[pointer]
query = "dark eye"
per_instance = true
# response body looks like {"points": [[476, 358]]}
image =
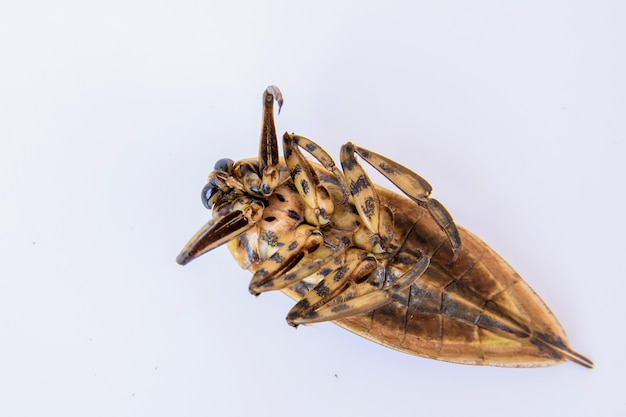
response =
{"points": [[224, 165], [208, 192]]}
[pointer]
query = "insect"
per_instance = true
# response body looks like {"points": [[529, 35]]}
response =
{"points": [[392, 268]]}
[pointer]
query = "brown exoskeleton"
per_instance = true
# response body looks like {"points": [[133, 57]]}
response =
{"points": [[393, 269]]}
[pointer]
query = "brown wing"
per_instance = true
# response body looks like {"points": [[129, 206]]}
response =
{"points": [[477, 310]]}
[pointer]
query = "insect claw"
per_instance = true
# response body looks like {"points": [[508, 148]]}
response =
{"points": [[221, 229], [455, 255], [213, 234], [275, 93], [252, 291]]}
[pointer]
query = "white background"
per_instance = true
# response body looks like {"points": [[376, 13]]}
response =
{"points": [[112, 113]]}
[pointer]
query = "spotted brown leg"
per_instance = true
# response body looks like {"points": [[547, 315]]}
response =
{"points": [[268, 146], [243, 214], [315, 195], [376, 216], [416, 188], [344, 291], [321, 155], [357, 285], [282, 268]]}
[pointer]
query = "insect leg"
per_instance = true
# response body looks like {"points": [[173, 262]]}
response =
{"points": [[278, 271], [268, 147], [416, 188], [356, 287], [376, 217], [322, 157], [315, 195], [238, 217], [409, 277], [364, 291]]}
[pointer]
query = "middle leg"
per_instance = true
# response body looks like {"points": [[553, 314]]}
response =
{"points": [[410, 183]]}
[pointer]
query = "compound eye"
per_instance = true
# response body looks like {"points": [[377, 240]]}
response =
{"points": [[224, 165], [208, 191]]}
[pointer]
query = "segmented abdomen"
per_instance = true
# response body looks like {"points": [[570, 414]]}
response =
{"points": [[477, 310]]}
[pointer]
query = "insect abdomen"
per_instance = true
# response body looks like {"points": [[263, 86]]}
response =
{"points": [[476, 310]]}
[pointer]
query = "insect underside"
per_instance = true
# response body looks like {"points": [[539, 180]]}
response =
{"points": [[392, 268]]}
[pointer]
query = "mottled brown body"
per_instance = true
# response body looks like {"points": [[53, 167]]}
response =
{"points": [[392, 269]]}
